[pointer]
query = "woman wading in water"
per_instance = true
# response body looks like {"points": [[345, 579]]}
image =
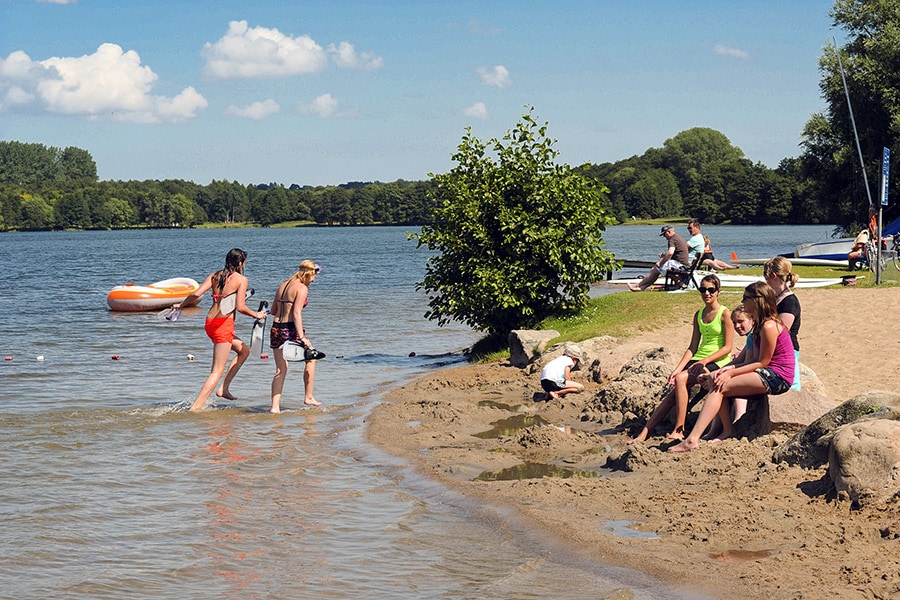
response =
{"points": [[287, 325], [229, 289]]}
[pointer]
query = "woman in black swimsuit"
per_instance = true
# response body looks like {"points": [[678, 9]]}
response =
{"points": [[287, 325]]}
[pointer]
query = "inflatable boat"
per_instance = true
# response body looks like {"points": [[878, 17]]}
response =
{"points": [[156, 296]]}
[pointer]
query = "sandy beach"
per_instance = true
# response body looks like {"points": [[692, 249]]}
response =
{"points": [[724, 520]]}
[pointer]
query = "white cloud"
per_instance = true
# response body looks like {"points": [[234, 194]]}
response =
{"points": [[260, 52], [477, 110], [497, 77], [256, 111], [733, 52], [324, 106], [107, 84], [344, 55]]}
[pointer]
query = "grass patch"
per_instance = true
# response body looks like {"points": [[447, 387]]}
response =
{"points": [[622, 315]]}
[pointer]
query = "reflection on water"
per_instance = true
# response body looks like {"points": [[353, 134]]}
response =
{"points": [[530, 470], [499, 405], [626, 529], [510, 425], [736, 555]]}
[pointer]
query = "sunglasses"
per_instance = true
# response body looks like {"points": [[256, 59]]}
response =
{"points": [[318, 268], [751, 297], [707, 290]]}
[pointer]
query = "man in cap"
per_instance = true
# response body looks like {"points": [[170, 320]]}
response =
{"points": [[555, 374], [675, 257]]}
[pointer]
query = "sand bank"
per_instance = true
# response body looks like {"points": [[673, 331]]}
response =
{"points": [[723, 519]]}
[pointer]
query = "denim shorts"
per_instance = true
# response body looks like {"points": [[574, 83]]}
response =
{"points": [[774, 383]]}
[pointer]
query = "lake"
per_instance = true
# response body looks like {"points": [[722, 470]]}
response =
{"points": [[110, 489]]}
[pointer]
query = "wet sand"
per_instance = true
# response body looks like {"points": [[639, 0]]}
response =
{"points": [[724, 520]]}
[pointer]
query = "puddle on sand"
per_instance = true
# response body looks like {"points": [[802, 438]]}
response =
{"points": [[533, 471], [500, 405], [510, 425], [736, 556], [624, 529]]}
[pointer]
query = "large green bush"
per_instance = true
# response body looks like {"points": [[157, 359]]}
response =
{"points": [[516, 236]]}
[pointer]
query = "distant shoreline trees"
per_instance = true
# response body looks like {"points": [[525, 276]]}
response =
{"points": [[44, 188], [697, 173]]}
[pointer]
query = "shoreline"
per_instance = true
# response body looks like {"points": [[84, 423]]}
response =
{"points": [[726, 520]]}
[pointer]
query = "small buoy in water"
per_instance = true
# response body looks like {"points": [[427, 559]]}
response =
{"points": [[115, 357], [8, 358], [263, 356], [411, 354], [40, 358], [190, 357]]}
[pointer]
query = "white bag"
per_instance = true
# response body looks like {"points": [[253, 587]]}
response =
{"points": [[293, 352]]}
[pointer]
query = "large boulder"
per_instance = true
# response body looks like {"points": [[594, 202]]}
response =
{"points": [[791, 410], [636, 391], [810, 382], [795, 409], [809, 448], [525, 345], [864, 461]]}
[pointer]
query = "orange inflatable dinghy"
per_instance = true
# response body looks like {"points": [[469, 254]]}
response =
{"points": [[156, 296]]}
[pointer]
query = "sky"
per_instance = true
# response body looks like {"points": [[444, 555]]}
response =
{"points": [[315, 92]]}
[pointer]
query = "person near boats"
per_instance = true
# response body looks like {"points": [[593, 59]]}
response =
{"points": [[771, 373], [675, 257], [856, 258], [555, 376], [229, 289], [287, 325], [709, 260], [695, 241], [711, 343], [778, 274]]}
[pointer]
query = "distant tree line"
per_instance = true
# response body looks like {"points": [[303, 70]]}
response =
{"points": [[697, 173], [48, 188]]}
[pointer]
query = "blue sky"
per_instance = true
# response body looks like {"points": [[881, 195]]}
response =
{"points": [[318, 93]]}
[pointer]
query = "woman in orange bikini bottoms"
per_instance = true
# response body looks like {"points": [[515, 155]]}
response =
{"points": [[229, 289], [287, 325]]}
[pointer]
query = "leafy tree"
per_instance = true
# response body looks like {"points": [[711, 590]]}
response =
{"points": [[692, 149], [654, 195], [36, 214], [114, 213], [76, 164], [517, 237], [72, 211], [272, 206], [870, 58]]}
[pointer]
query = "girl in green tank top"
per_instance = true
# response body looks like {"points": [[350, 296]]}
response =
{"points": [[712, 339]]}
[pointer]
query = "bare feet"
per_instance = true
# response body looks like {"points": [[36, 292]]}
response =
{"points": [[675, 435], [223, 394], [639, 437], [552, 395], [635, 287], [274, 410], [684, 446], [312, 402], [719, 439]]}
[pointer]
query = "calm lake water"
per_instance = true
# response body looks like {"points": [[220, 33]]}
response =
{"points": [[110, 489]]}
